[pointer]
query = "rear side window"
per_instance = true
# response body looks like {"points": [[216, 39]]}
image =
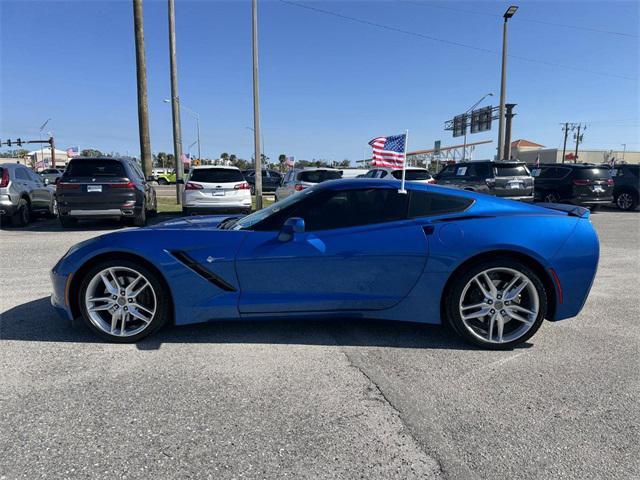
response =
{"points": [[216, 175], [95, 168], [412, 175], [318, 176], [22, 174], [424, 204], [592, 173], [511, 170]]}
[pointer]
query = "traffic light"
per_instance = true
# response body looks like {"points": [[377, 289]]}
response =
{"points": [[19, 142], [8, 142]]}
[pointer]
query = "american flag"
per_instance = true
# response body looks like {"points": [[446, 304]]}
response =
{"points": [[388, 151], [538, 161], [72, 151]]}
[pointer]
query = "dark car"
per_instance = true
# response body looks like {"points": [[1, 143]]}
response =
{"points": [[579, 184], [104, 188], [501, 179], [270, 180], [626, 183]]}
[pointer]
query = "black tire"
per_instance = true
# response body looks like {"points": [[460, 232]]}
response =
{"points": [[186, 212], [140, 219], [162, 181], [252, 189], [626, 201], [154, 209], [163, 305], [22, 217], [551, 197], [455, 290], [68, 222], [53, 209]]}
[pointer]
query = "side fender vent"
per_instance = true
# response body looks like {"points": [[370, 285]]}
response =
{"points": [[189, 262]]}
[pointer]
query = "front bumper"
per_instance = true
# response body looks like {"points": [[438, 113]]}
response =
{"points": [[60, 294]]}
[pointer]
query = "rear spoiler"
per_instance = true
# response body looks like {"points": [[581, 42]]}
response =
{"points": [[571, 210]]}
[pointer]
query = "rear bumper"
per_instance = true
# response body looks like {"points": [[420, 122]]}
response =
{"points": [[98, 212], [594, 201], [7, 208], [207, 209]]}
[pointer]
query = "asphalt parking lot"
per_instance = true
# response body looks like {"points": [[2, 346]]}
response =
{"points": [[317, 399]]}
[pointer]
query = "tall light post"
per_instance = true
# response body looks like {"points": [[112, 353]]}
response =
{"points": [[256, 108], [624, 150], [195, 115], [261, 139], [470, 109], [503, 82], [175, 103], [141, 84]]}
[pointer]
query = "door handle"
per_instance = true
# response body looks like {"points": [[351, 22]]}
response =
{"points": [[428, 229]]}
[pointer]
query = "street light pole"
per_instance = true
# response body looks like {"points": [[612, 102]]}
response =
{"points": [[175, 103], [141, 77], [256, 109], [503, 81], [195, 115]]}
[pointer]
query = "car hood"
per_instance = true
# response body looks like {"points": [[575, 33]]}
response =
{"points": [[186, 223]]}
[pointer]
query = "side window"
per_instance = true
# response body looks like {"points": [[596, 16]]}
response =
{"points": [[472, 171], [370, 174], [34, 176], [22, 174], [425, 204], [448, 171], [561, 172]]}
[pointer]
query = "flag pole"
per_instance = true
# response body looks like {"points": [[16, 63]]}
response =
{"points": [[404, 164]]}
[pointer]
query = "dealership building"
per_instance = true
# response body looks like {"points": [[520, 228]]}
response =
{"points": [[529, 152]]}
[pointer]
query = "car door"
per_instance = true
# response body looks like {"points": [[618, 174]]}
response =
{"points": [[358, 251], [41, 193]]}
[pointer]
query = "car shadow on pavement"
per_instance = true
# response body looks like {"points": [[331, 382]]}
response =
{"points": [[53, 224], [36, 321]]}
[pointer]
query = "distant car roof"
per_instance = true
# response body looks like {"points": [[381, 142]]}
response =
{"points": [[225, 167]]}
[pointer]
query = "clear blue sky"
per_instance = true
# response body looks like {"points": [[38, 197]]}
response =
{"points": [[328, 84]]}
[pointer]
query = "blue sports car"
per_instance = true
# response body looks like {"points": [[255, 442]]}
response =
{"points": [[492, 269]]}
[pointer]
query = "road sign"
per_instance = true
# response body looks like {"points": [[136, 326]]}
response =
{"points": [[481, 119], [459, 125]]}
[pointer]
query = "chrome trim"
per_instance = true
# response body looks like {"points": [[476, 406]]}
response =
{"points": [[91, 213]]}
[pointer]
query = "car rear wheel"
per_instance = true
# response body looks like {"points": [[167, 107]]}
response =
{"points": [[496, 304], [627, 201], [123, 301], [162, 181], [22, 217], [140, 218]]}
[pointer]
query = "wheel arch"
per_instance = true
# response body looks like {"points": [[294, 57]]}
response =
{"points": [[78, 275], [528, 260]]}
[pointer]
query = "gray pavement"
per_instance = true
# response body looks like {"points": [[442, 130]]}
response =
{"points": [[317, 399]]}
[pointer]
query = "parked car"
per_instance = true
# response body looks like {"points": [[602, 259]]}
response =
{"points": [[354, 172], [626, 185], [491, 268], [502, 179], [298, 179], [216, 189], [576, 183], [167, 177], [412, 174], [270, 180], [24, 194], [52, 174], [93, 188]]}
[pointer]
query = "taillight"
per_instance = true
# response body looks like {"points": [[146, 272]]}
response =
{"points": [[193, 186], [127, 185], [581, 182], [299, 187], [5, 178], [610, 181], [68, 186], [242, 186]]}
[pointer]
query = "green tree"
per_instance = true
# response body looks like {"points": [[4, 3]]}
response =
{"points": [[224, 156], [345, 163], [91, 152], [282, 158], [233, 159]]}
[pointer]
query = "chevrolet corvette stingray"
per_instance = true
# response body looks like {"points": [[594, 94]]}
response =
{"points": [[492, 269]]}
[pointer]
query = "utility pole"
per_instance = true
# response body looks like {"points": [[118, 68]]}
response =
{"points": [[141, 76], [624, 150], [175, 103], [53, 152], [578, 140], [566, 134], [503, 81], [507, 136], [256, 110]]}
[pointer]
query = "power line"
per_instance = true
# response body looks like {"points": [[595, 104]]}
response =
{"points": [[520, 19], [450, 42]]}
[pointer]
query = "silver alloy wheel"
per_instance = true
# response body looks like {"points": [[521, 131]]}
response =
{"points": [[624, 201], [499, 305], [120, 301]]}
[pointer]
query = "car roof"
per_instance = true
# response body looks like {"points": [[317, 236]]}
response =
{"points": [[573, 165], [311, 169], [221, 167]]}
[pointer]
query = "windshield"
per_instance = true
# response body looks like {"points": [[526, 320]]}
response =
{"points": [[511, 170], [95, 168], [317, 176], [412, 175], [592, 173], [216, 175], [256, 217]]}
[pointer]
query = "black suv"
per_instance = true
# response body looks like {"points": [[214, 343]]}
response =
{"points": [[104, 188], [502, 179], [626, 183], [579, 184], [270, 180]]}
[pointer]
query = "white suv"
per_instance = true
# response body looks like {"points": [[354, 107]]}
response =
{"points": [[212, 189]]}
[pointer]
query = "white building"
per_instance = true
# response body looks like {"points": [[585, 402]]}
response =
{"points": [[528, 152], [41, 158]]}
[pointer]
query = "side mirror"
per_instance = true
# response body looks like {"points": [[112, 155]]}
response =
{"points": [[290, 227], [45, 181]]}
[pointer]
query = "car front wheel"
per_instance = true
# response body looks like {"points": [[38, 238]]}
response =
{"points": [[22, 217], [496, 304], [123, 301]]}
